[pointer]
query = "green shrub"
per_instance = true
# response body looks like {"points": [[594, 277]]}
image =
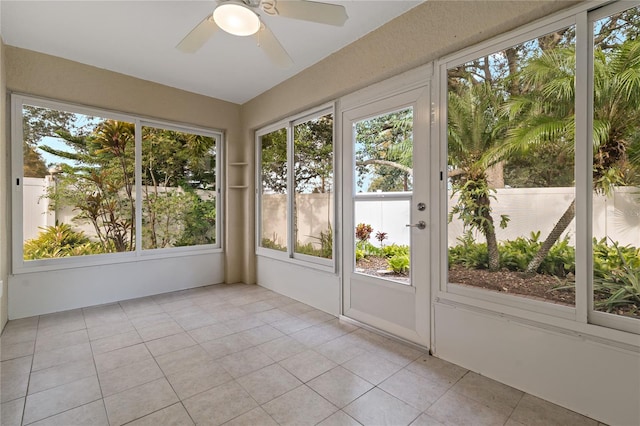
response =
{"points": [[271, 244], [616, 281], [618, 286], [469, 253], [608, 258], [560, 261], [394, 250], [516, 254], [399, 263], [369, 249], [326, 246], [60, 240], [326, 243]]}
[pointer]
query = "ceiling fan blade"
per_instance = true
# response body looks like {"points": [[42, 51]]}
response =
{"points": [[272, 47], [324, 13], [198, 36]]}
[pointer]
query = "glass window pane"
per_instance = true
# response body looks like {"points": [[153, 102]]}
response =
{"points": [[273, 198], [78, 193], [313, 177], [384, 153], [178, 189], [384, 164], [616, 164], [511, 170], [382, 243]]}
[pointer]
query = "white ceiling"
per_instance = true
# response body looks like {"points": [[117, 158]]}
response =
{"points": [[138, 38]]}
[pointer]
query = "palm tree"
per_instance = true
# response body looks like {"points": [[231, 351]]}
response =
{"points": [[545, 115], [473, 130]]}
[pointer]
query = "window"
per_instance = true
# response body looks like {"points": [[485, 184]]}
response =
{"points": [[383, 147], [616, 165], [543, 165], [296, 198], [179, 190], [313, 183], [511, 169], [82, 193], [273, 170]]}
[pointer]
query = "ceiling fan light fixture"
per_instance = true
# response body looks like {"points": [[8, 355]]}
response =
{"points": [[236, 19]]}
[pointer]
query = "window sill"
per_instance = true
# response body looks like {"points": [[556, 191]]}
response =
{"points": [[307, 261], [516, 301], [45, 265], [592, 332]]}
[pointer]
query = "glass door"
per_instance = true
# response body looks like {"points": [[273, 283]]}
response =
{"points": [[386, 230]]}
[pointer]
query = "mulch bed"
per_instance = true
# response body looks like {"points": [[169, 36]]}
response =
{"points": [[534, 286], [377, 267]]}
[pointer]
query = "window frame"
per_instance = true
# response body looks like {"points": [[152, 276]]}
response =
{"points": [[20, 266], [582, 319], [219, 148], [524, 35], [591, 315], [290, 255]]}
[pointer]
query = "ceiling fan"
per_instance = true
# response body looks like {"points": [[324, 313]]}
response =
{"points": [[239, 17]]}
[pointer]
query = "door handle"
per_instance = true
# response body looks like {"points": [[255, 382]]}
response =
{"points": [[420, 225]]}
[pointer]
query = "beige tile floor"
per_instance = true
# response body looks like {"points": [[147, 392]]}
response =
{"points": [[238, 355]]}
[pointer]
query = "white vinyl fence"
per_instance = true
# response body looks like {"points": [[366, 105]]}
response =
{"points": [[37, 214], [529, 209]]}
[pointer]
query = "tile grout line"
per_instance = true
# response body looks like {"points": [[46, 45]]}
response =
{"points": [[95, 368], [515, 407], [33, 356]]}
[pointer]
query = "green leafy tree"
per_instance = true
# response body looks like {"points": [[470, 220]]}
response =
{"points": [[100, 184], [33, 163], [545, 116], [38, 123], [313, 155], [312, 171], [384, 149], [473, 130], [274, 161], [175, 165]]}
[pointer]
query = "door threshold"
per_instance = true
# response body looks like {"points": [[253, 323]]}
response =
{"points": [[384, 334]]}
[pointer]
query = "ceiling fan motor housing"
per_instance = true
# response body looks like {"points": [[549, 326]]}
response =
{"points": [[268, 6]]}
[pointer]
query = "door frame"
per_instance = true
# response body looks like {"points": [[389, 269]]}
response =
{"points": [[412, 88]]}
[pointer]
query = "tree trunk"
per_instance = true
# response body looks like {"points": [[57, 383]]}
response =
{"points": [[407, 170], [553, 236], [495, 175], [489, 231], [492, 249]]}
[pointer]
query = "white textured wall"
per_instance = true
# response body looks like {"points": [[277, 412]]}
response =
{"points": [[585, 375]]}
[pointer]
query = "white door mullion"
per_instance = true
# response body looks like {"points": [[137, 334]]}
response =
{"points": [[583, 173], [291, 238], [138, 185]]}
